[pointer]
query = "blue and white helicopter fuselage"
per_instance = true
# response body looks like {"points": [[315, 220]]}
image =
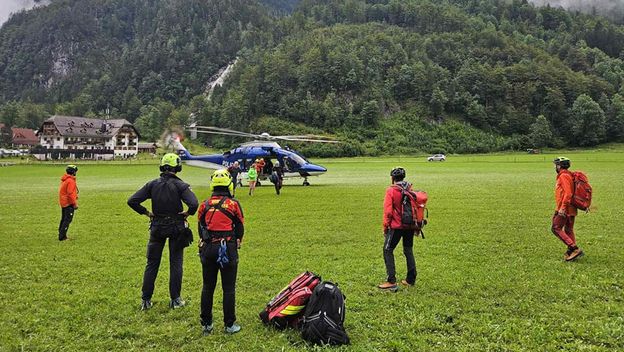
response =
{"points": [[294, 164]]}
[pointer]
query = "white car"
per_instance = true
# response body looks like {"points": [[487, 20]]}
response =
{"points": [[437, 157]]}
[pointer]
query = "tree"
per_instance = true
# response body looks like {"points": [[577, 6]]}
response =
{"points": [[438, 101], [370, 113], [615, 119], [9, 114], [541, 134], [587, 122]]}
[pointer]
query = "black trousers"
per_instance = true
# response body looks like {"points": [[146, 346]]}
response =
{"points": [[67, 215], [155, 246], [392, 240], [210, 269]]}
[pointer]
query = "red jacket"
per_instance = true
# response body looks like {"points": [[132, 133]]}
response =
{"points": [[217, 220], [564, 191], [68, 192], [393, 207]]}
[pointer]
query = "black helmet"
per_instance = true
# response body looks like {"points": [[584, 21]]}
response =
{"points": [[71, 169], [398, 173], [562, 161]]}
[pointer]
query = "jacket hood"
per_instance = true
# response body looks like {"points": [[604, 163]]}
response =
{"points": [[66, 176]]}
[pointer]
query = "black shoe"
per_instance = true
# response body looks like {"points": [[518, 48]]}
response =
{"points": [[146, 304]]}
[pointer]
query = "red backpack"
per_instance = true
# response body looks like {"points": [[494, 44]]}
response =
{"points": [[582, 191], [414, 207], [287, 307]]}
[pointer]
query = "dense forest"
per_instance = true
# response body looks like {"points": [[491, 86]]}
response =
{"points": [[385, 76]]}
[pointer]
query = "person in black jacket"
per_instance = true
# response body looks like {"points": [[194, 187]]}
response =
{"points": [[168, 220]]}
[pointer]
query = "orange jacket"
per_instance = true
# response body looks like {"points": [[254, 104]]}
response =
{"points": [[564, 190], [68, 192], [393, 206]]}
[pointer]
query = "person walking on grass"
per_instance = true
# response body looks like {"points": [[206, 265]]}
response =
{"points": [[277, 177], [168, 220], [221, 229], [234, 170], [394, 231], [68, 200], [565, 212], [252, 174]]}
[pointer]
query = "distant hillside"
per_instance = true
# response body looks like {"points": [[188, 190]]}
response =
{"points": [[116, 51]]}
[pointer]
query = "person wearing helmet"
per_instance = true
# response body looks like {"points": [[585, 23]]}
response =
{"points": [[168, 220], [277, 177], [234, 170], [565, 212], [68, 199], [394, 230], [221, 229], [252, 174]]}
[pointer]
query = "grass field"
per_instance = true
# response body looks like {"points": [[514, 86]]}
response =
{"points": [[490, 274]]}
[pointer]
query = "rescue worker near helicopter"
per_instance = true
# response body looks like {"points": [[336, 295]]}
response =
{"points": [[221, 229], [168, 220], [68, 200]]}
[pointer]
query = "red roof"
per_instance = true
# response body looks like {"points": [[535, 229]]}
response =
{"points": [[24, 136]]}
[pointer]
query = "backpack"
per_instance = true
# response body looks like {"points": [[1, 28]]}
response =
{"points": [[582, 191], [287, 307], [324, 316], [413, 209]]}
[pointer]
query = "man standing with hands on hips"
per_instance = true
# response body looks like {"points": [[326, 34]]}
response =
{"points": [[168, 220]]}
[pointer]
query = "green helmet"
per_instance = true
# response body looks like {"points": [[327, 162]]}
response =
{"points": [[171, 162], [221, 178], [71, 169], [562, 161]]}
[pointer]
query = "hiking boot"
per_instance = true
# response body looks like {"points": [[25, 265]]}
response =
{"points": [[232, 329], [207, 328], [577, 253], [388, 286], [177, 303], [146, 304], [405, 283]]}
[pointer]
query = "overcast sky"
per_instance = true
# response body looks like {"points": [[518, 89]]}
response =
{"points": [[603, 6], [10, 6]]}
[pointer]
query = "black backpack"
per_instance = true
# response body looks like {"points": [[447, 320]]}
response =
{"points": [[324, 316]]}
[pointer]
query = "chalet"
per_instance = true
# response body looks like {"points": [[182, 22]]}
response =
{"points": [[147, 148], [21, 138], [24, 138], [84, 138]]}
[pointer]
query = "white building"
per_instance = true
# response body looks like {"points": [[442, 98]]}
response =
{"points": [[83, 138]]}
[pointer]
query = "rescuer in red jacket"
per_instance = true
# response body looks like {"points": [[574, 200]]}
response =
{"points": [[394, 231], [565, 212], [221, 229], [68, 200]]}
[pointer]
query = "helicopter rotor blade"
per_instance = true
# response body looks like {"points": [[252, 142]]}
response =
{"points": [[306, 140], [228, 132]]}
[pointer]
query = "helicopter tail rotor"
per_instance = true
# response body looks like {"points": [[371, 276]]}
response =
{"points": [[172, 139]]}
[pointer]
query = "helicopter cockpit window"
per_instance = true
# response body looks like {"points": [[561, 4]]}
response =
{"points": [[296, 159]]}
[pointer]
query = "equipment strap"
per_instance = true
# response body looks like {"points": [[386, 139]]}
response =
{"points": [[217, 207]]}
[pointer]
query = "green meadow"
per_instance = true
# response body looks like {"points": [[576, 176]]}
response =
{"points": [[491, 276]]}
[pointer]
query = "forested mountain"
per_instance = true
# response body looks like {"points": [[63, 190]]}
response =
{"points": [[385, 75]]}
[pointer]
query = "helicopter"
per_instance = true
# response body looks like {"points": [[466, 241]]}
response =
{"points": [[264, 146]]}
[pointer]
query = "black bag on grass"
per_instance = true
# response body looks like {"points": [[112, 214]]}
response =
{"points": [[324, 316]]}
